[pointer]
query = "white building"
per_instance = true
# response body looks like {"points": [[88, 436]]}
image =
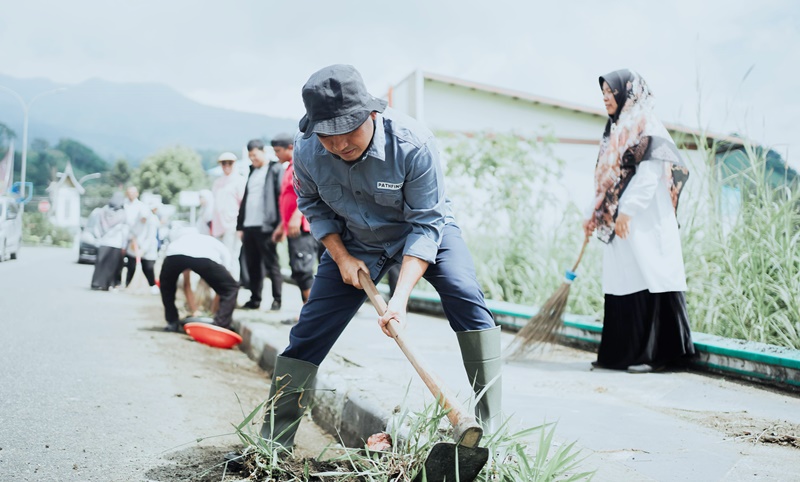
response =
{"points": [[65, 199], [454, 105]]}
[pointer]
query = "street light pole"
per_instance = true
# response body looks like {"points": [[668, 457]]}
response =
{"points": [[25, 108]]}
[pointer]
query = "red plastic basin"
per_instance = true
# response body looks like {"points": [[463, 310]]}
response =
{"points": [[212, 335]]}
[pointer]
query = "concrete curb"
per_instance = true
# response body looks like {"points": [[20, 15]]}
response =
{"points": [[752, 361]]}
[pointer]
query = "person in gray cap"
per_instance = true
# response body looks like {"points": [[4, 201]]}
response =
{"points": [[294, 226], [371, 185]]}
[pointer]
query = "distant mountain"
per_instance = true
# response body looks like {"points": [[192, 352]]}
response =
{"points": [[130, 120]]}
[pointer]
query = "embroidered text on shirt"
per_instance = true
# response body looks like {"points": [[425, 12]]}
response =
{"points": [[389, 185]]}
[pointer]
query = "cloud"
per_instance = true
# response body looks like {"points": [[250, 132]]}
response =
{"points": [[255, 56]]}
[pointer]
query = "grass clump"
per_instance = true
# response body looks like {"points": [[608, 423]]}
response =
{"points": [[526, 455]]}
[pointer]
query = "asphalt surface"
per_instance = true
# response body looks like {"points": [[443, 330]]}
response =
{"points": [[92, 390]]}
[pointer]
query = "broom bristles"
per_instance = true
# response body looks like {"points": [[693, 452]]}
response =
{"points": [[543, 327], [139, 284]]}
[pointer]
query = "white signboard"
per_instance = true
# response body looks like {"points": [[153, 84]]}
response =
{"points": [[189, 199]]}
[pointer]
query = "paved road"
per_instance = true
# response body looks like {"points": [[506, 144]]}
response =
{"points": [[91, 389]]}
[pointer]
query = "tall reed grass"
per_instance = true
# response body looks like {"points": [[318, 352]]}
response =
{"points": [[740, 233], [742, 253]]}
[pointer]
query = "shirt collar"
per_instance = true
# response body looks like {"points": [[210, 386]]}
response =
{"points": [[377, 148]]}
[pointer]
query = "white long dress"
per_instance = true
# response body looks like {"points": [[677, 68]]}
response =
{"points": [[651, 257]]}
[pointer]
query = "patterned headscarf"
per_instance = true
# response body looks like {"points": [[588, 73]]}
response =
{"points": [[632, 135]]}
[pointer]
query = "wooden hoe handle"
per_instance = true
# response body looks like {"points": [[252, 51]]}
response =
{"points": [[467, 431]]}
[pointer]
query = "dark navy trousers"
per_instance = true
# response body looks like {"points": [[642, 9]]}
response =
{"points": [[332, 303]]}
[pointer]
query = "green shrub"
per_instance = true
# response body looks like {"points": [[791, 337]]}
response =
{"points": [[511, 205], [38, 230]]}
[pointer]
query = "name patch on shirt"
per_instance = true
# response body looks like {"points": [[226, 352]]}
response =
{"points": [[389, 185]]}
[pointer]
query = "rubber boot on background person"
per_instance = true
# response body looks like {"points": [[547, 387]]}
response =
{"points": [[481, 353]]}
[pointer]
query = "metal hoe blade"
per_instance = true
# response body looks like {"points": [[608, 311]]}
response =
{"points": [[440, 466]]}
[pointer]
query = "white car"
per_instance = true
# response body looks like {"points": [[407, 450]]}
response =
{"points": [[10, 228]]}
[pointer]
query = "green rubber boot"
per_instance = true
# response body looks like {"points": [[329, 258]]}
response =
{"points": [[288, 399], [480, 350]]}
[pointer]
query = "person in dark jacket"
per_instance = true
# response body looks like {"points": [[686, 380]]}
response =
{"points": [[259, 217]]}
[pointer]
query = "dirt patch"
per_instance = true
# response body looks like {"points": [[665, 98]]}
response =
{"points": [[206, 464], [742, 427], [220, 376], [305, 469], [194, 464]]}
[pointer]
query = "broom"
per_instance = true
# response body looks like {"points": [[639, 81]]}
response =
{"points": [[543, 326]]}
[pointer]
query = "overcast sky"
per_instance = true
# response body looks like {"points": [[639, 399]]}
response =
{"points": [[255, 55]]}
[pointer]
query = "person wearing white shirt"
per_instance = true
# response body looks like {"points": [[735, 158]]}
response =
{"points": [[228, 192], [210, 259], [206, 212], [145, 244], [134, 211], [639, 177]]}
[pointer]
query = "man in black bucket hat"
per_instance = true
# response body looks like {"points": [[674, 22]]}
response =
{"points": [[370, 183], [337, 102]]}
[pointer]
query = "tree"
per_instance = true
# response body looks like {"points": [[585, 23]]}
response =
{"points": [[120, 173], [45, 161], [170, 171], [83, 158], [42, 165], [6, 134]]}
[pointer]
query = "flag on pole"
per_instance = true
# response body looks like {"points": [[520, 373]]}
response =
{"points": [[7, 169]]}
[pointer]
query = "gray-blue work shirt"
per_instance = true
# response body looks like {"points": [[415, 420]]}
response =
{"points": [[391, 202]]}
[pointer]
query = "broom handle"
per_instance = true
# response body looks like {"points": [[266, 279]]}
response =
{"points": [[580, 256]]}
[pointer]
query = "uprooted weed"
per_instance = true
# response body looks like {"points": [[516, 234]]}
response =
{"points": [[530, 454]]}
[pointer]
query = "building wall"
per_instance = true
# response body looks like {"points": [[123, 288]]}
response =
{"points": [[454, 108], [67, 207]]}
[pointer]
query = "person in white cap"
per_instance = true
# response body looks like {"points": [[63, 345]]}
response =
{"points": [[228, 192]]}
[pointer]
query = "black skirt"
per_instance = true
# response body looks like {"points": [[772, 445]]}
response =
{"points": [[106, 267], [645, 327]]}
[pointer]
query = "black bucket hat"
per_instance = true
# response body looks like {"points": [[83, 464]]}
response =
{"points": [[337, 102]]}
